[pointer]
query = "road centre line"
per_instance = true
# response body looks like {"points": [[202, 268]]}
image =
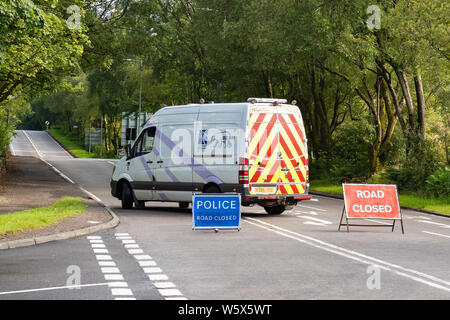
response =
{"points": [[437, 234], [353, 255]]}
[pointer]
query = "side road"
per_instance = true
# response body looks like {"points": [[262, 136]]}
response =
{"points": [[31, 183]]}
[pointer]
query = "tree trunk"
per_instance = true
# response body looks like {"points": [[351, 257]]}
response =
{"points": [[420, 106]]}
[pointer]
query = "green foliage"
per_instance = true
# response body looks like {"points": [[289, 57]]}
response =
{"points": [[37, 46], [438, 183], [415, 169]]}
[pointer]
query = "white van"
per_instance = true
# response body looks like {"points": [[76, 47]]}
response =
{"points": [[257, 148]]}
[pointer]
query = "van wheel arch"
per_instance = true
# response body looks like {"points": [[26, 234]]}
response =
{"points": [[211, 187]]}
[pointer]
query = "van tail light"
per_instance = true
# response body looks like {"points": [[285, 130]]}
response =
{"points": [[243, 171]]}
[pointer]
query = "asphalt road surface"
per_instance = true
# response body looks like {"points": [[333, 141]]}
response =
{"points": [[154, 253]]}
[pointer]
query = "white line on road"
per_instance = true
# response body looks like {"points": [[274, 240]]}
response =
{"points": [[56, 288], [350, 254], [11, 148], [437, 234], [159, 279], [110, 270], [435, 223], [326, 222], [314, 208]]}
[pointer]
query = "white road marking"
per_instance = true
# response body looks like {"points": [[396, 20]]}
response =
{"points": [[149, 266], [110, 270], [314, 223], [149, 263], [100, 250], [94, 237], [96, 241], [113, 277], [152, 270], [326, 222], [56, 288], [135, 251], [306, 212], [142, 257], [121, 284], [32, 144], [164, 285], [157, 277], [98, 245], [314, 208], [121, 292], [103, 257], [170, 292], [435, 223], [353, 255], [11, 148], [121, 234], [131, 246], [437, 234]]}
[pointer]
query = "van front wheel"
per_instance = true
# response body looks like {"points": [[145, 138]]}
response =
{"points": [[127, 196], [274, 210]]}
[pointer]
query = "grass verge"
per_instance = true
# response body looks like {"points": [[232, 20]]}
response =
{"points": [[74, 146], [42, 217], [412, 200]]}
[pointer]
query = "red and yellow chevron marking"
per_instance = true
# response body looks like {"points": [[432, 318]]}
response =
{"points": [[270, 134]]}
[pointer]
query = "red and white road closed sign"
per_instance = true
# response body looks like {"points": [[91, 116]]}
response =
{"points": [[371, 201]]}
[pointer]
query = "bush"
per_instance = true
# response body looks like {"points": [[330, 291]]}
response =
{"points": [[438, 183], [416, 168]]}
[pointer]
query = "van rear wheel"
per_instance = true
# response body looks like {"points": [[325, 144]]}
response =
{"points": [[274, 210], [183, 205], [127, 196], [213, 189]]}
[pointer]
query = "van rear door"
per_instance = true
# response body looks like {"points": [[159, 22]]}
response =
{"points": [[277, 151], [293, 153]]}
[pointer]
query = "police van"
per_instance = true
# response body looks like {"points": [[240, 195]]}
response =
{"points": [[256, 148]]}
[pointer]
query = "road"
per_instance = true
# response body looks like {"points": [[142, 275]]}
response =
{"points": [[154, 254]]}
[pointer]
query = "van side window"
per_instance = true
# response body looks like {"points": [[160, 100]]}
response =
{"points": [[148, 140]]}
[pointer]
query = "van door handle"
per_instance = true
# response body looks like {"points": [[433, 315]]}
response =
{"points": [[159, 161], [149, 161]]}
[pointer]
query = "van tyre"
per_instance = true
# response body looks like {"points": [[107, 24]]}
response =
{"points": [[213, 189], [183, 205], [127, 196], [275, 210]]}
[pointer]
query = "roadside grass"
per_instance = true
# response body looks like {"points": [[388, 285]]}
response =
{"points": [[42, 217], [407, 199], [74, 146]]}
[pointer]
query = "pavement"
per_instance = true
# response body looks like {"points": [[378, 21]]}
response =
{"points": [[154, 254]]}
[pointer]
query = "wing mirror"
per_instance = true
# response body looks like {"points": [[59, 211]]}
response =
{"points": [[128, 150]]}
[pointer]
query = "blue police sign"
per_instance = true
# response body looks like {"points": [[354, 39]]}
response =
{"points": [[216, 211]]}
